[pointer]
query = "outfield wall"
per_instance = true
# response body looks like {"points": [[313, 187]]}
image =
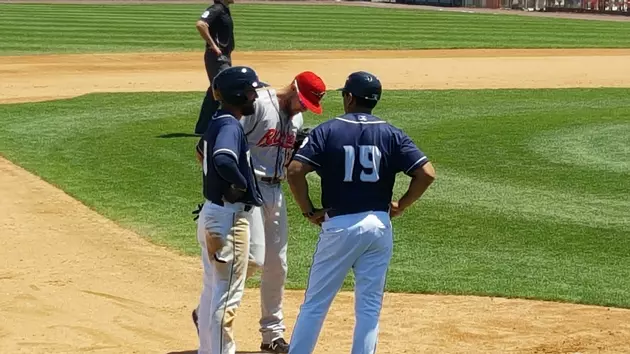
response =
{"points": [[609, 7]]}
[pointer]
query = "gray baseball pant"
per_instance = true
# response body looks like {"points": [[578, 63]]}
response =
{"points": [[268, 250]]}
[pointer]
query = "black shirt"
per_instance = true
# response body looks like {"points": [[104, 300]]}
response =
{"points": [[221, 26]]}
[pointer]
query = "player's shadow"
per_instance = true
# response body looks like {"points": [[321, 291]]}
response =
{"points": [[178, 135]]}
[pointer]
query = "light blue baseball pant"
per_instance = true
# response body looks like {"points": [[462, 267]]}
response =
{"points": [[363, 242]]}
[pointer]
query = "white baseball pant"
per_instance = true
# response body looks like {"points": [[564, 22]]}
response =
{"points": [[363, 242], [268, 242], [224, 274]]}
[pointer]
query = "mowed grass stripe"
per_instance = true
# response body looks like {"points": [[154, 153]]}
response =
{"points": [[504, 218], [122, 27], [120, 33], [382, 40], [303, 18], [126, 31], [279, 10], [264, 27], [273, 15], [175, 45]]}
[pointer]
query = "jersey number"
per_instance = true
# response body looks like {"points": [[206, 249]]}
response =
{"points": [[370, 159]]}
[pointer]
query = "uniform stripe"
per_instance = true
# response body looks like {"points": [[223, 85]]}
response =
{"points": [[310, 272], [355, 122], [223, 116], [415, 163], [229, 284], [381, 307], [226, 150], [308, 160]]}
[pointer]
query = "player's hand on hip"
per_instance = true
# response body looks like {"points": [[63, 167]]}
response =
{"points": [[217, 50], [233, 194], [394, 209]]}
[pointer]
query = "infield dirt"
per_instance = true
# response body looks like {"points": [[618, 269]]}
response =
{"points": [[74, 282]]}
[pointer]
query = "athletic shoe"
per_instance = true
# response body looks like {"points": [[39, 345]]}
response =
{"points": [[277, 346], [195, 320]]}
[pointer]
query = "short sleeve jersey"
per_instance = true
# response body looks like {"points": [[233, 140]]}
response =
{"points": [[225, 136], [357, 157]]}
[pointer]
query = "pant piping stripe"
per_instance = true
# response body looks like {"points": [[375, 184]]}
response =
{"points": [[229, 285], [382, 297], [308, 278]]}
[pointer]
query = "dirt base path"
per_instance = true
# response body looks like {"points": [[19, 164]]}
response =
{"points": [[74, 282], [35, 78]]}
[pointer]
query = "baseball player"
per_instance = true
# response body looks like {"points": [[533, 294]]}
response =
{"points": [[357, 156], [216, 28], [271, 135], [230, 193], [271, 132]]}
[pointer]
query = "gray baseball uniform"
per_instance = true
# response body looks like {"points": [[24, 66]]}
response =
{"points": [[270, 134]]}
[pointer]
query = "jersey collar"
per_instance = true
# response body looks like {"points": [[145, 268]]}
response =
{"points": [[360, 118], [220, 114]]}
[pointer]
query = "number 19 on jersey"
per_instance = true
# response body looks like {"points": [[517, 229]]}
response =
{"points": [[369, 160]]}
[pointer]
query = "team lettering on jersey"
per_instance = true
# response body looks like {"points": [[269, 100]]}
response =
{"points": [[274, 137]]}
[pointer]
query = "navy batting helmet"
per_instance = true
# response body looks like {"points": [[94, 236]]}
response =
{"points": [[231, 84], [363, 85]]}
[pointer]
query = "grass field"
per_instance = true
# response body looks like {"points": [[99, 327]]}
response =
{"points": [[532, 196], [42, 28]]}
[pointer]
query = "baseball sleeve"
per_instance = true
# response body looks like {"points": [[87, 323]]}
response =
{"points": [[225, 154], [228, 141], [312, 149], [298, 121], [210, 14], [408, 156]]}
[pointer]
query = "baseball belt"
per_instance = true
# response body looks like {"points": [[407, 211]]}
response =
{"points": [[271, 180]]}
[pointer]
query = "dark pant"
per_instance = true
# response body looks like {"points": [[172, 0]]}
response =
{"points": [[214, 64]]}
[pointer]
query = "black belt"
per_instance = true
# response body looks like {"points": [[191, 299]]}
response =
{"points": [[332, 213], [220, 203], [271, 180]]}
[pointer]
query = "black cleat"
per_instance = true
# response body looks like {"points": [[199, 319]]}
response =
{"points": [[195, 319], [277, 346]]}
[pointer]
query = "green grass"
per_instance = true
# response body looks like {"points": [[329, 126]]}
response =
{"points": [[514, 211], [65, 28]]}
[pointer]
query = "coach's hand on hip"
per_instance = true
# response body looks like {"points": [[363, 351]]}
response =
{"points": [[394, 209], [316, 216]]}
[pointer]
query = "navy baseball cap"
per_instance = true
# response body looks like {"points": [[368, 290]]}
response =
{"points": [[364, 85], [236, 79]]}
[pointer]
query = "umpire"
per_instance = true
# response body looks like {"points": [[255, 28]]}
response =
{"points": [[217, 29]]}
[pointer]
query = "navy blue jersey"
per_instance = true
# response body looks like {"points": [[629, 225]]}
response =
{"points": [[357, 157], [225, 136]]}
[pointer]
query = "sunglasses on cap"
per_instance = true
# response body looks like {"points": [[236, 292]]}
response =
{"points": [[297, 90]]}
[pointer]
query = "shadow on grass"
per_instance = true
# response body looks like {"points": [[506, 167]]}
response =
{"points": [[179, 135]]}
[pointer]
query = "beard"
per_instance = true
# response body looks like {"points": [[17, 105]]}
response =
{"points": [[248, 109]]}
